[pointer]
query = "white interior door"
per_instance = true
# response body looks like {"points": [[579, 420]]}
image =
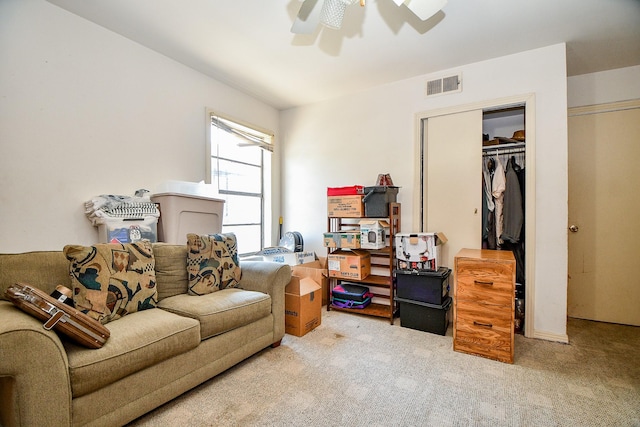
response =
{"points": [[453, 187], [604, 182]]}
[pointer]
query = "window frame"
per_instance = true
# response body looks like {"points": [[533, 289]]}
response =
{"points": [[265, 169]]}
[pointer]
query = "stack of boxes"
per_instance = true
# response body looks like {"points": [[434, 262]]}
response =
{"points": [[422, 284], [370, 205]]}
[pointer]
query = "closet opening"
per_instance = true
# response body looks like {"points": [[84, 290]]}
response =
{"points": [[503, 192]]}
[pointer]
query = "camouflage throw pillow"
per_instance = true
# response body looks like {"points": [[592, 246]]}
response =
{"points": [[111, 280], [212, 263]]}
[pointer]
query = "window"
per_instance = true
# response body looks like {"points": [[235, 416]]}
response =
{"points": [[239, 166]]}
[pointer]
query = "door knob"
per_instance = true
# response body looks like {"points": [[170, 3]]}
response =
{"points": [[573, 228]]}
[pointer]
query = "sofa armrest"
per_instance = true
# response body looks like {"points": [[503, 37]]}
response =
{"points": [[34, 372], [270, 278]]}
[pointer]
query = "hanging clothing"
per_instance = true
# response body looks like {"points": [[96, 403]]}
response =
{"points": [[492, 242], [486, 174], [487, 200], [485, 212], [498, 186], [507, 205], [513, 214]]}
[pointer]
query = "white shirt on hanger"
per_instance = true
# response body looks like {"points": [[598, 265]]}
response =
{"points": [[497, 190]]}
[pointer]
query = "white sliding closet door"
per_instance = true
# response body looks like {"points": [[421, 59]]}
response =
{"points": [[453, 187]]}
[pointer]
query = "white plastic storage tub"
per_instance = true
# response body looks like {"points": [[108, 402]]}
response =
{"points": [[181, 214]]}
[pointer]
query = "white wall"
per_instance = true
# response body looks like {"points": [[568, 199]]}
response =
{"points": [[622, 84], [350, 140], [84, 112]]}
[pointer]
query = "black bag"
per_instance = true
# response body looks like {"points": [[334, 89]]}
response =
{"points": [[351, 292], [342, 303]]}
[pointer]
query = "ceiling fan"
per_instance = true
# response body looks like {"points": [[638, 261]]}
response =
{"points": [[330, 13]]}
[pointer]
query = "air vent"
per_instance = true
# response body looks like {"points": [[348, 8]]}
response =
{"points": [[442, 85]]}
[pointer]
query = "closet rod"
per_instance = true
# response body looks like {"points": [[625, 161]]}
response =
{"points": [[503, 146], [502, 151]]}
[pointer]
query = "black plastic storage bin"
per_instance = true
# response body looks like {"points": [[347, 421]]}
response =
{"points": [[376, 200], [424, 316], [424, 286]]}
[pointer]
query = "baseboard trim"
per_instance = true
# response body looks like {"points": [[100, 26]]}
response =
{"points": [[549, 336]]}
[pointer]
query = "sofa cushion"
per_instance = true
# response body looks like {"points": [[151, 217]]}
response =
{"points": [[212, 262], [111, 280], [137, 341], [220, 311], [171, 272]]}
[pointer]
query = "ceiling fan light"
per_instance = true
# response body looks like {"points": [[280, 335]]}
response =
{"points": [[308, 17], [333, 12], [425, 9]]}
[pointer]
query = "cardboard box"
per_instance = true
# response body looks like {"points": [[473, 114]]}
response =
{"points": [[316, 270], [342, 239], [291, 258], [374, 233], [419, 251], [302, 306], [345, 206], [345, 264]]}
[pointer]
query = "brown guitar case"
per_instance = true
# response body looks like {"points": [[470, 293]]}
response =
{"points": [[74, 324]]}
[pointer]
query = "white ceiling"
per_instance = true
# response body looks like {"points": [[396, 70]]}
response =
{"points": [[248, 44]]}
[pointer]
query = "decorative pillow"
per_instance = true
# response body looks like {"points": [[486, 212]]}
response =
{"points": [[111, 280], [212, 263]]}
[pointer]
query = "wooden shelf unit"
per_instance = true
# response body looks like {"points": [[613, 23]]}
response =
{"points": [[383, 258]]}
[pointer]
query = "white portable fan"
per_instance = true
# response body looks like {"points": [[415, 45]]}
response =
{"points": [[330, 13]]}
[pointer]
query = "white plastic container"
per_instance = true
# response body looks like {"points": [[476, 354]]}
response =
{"points": [[181, 214], [128, 230]]}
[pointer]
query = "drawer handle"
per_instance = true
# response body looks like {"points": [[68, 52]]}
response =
{"points": [[486, 325], [483, 283]]}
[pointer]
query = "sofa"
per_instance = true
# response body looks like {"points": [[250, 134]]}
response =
{"points": [[151, 356]]}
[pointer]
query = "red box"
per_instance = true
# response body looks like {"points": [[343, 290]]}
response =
{"points": [[353, 190]]}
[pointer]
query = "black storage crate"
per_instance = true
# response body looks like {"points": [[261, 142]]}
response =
{"points": [[424, 316], [376, 200], [424, 286]]}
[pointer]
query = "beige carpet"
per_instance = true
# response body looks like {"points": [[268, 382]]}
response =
{"points": [[359, 371]]}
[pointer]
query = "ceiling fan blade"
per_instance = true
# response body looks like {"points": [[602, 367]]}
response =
{"points": [[308, 17], [424, 9]]}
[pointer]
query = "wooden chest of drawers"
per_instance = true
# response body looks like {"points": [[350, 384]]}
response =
{"points": [[484, 303]]}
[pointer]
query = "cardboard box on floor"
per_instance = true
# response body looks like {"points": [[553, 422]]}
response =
{"points": [[302, 306], [316, 270]]}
